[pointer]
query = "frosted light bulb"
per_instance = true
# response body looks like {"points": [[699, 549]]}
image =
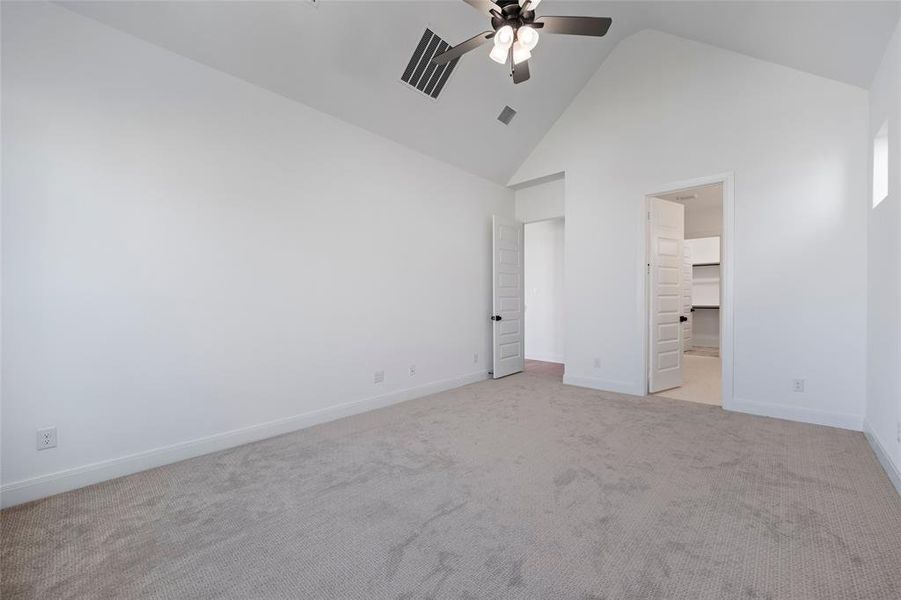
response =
{"points": [[499, 54], [504, 36], [520, 53], [527, 36]]}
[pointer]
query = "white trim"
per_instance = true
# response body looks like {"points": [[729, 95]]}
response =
{"points": [[604, 385], [882, 455], [797, 413], [726, 278], [42, 486], [537, 180]]}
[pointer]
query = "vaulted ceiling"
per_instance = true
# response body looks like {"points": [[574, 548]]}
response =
{"points": [[345, 58]]}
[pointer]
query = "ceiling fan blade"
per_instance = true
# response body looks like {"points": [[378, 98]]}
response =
{"points": [[533, 4], [596, 26], [521, 72], [464, 47], [483, 6]]}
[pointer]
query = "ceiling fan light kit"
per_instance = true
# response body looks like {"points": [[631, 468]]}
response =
{"points": [[515, 33]]}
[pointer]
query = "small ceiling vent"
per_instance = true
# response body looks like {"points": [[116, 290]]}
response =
{"points": [[506, 115], [421, 72]]}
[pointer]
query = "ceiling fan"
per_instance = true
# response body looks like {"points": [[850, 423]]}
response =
{"points": [[515, 32]]}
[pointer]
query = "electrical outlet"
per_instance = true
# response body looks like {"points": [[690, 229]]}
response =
{"points": [[899, 432], [475, 358], [597, 363], [412, 370], [798, 385], [46, 438], [378, 377]]}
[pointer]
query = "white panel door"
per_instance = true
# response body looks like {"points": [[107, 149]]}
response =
{"points": [[667, 237], [507, 289], [687, 268]]}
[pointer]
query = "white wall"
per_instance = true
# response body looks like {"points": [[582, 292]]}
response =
{"points": [[544, 290], [704, 222], [539, 201], [186, 255], [705, 332], [884, 272], [663, 109]]}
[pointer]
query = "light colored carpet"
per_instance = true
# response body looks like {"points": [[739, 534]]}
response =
{"points": [[702, 381], [517, 488]]}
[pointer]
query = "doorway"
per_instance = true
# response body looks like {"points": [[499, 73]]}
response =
{"points": [[688, 292], [528, 282], [544, 297]]}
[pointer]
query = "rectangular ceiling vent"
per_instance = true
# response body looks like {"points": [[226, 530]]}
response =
{"points": [[421, 72], [506, 115]]}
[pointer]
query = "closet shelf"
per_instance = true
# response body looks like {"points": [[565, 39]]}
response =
{"points": [[716, 264], [707, 306]]}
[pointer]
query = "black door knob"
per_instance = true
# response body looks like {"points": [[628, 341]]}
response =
{"points": [[682, 318], [496, 317]]}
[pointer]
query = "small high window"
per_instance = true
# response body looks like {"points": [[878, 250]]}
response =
{"points": [[880, 165]]}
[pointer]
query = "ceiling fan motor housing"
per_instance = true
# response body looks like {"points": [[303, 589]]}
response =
{"points": [[511, 14]]}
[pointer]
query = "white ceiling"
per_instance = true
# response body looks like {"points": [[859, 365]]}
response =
{"points": [[703, 205], [705, 197], [345, 58]]}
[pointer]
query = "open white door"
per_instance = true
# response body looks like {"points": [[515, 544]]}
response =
{"points": [[667, 233], [507, 290], [687, 273]]}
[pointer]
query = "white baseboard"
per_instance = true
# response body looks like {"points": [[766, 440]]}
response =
{"points": [[42, 486], [797, 413], [763, 409], [545, 358], [885, 459], [605, 385]]}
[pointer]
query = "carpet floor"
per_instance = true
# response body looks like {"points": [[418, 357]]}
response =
{"points": [[517, 488]]}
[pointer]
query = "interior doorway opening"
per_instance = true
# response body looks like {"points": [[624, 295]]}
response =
{"points": [[685, 276], [544, 297]]}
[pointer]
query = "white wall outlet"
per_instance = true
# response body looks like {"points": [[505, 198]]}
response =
{"points": [[378, 377], [412, 370], [597, 363], [475, 358], [46, 438], [798, 385]]}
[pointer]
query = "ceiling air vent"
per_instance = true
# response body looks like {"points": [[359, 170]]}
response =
{"points": [[506, 115], [421, 72]]}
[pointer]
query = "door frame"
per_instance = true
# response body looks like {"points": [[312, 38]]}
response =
{"points": [[726, 277]]}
